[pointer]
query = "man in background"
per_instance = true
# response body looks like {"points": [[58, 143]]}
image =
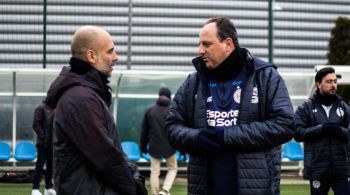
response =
{"points": [[88, 158], [42, 125], [322, 123], [153, 135]]}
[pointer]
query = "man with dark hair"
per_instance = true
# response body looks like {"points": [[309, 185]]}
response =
{"points": [[153, 134], [322, 123], [42, 125], [231, 116], [88, 157]]}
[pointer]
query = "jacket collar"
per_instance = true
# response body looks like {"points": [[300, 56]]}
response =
{"points": [[67, 78], [248, 61], [324, 100]]}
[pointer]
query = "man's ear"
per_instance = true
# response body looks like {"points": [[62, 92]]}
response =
{"points": [[317, 84], [91, 56], [230, 46]]}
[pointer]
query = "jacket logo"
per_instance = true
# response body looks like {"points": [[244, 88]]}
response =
{"points": [[316, 184], [210, 99], [236, 83], [212, 85], [237, 95], [340, 112], [255, 97]]}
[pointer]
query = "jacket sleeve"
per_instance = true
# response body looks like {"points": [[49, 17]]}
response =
{"points": [[38, 121], [276, 125], [305, 131], [86, 126], [179, 133], [346, 125]]}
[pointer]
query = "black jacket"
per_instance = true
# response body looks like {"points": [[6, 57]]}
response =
{"points": [[88, 158], [153, 130], [255, 141], [325, 156], [42, 125]]}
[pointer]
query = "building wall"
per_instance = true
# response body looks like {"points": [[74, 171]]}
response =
{"points": [[157, 34]]}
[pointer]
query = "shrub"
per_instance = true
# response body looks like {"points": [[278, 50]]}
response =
{"points": [[339, 43]]}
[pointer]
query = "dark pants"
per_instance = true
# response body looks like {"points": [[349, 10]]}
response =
{"points": [[44, 156], [321, 187]]}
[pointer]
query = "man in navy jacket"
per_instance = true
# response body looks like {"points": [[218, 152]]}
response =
{"points": [[322, 124], [231, 116]]}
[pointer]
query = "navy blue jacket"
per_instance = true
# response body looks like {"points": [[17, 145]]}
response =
{"points": [[255, 141], [325, 156]]}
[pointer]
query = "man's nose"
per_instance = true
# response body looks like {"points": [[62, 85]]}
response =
{"points": [[115, 59], [201, 50]]}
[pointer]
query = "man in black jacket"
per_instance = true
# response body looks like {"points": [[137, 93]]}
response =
{"points": [[42, 125], [323, 125], [88, 157], [231, 116], [153, 134]]}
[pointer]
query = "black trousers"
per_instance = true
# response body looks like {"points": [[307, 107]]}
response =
{"points": [[44, 156], [321, 187]]}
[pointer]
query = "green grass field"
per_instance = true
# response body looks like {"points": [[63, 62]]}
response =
{"points": [[179, 189]]}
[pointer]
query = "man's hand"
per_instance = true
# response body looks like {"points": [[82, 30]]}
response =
{"points": [[209, 141], [334, 130]]}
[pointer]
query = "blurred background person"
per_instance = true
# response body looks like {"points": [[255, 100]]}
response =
{"points": [[42, 125], [155, 142]]}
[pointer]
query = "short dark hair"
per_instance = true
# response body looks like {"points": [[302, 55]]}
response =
{"points": [[165, 92], [226, 29], [322, 73]]}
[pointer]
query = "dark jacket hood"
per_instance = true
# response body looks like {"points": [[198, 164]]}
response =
{"points": [[67, 79], [251, 63]]}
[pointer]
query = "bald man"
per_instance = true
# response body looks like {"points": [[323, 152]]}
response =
{"points": [[88, 157]]}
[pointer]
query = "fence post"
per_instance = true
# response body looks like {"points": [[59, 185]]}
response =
{"points": [[270, 31], [44, 33]]}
